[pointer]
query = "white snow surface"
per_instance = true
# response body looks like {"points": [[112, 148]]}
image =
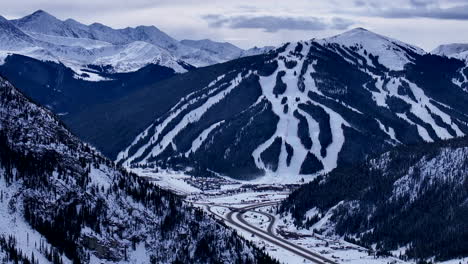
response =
{"points": [[77, 45], [390, 52], [202, 137], [288, 125], [256, 51], [11, 223], [454, 50], [222, 51], [191, 117]]}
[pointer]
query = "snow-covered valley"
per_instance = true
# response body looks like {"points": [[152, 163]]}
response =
{"points": [[225, 199]]}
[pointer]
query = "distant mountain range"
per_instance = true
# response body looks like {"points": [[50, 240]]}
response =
{"points": [[42, 36], [68, 66], [455, 50], [288, 113]]}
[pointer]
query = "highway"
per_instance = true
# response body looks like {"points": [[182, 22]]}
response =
{"points": [[235, 218]]}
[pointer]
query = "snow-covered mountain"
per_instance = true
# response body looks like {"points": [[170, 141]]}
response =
{"points": [[66, 92], [43, 36], [391, 53], [302, 109], [41, 22], [410, 201], [11, 38], [455, 50], [221, 51], [256, 51], [63, 202], [46, 24]]}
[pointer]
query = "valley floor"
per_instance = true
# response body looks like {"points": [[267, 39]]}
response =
{"points": [[251, 210]]}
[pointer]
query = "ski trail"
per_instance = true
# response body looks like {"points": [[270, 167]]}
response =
{"points": [[192, 117]]}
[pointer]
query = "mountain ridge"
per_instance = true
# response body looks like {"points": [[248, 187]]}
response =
{"points": [[456, 50], [78, 45], [386, 93]]}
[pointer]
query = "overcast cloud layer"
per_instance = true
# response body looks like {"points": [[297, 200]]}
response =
{"points": [[246, 23], [273, 24]]}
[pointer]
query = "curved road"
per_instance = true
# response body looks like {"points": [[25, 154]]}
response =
{"points": [[235, 218], [271, 221]]}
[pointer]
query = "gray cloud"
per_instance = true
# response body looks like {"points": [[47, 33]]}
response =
{"points": [[422, 3], [292, 20], [276, 23], [435, 9], [457, 12]]}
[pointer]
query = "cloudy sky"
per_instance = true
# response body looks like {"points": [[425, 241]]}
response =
{"points": [[247, 23]]}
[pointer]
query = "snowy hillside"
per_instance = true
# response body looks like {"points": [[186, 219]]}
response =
{"points": [[62, 202], [138, 54], [66, 92], [256, 51], [222, 51], [410, 201], [11, 38], [43, 36], [391, 53], [455, 50], [306, 108], [44, 23]]}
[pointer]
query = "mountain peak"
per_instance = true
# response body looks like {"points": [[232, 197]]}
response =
{"points": [[392, 53], [44, 23], [12, 38], [149, 29], [100, 26], [40, 17], [357, 33], [41, 14], [360, 29], [366, 37], [222, 50], [71, 20], [457, 50]]}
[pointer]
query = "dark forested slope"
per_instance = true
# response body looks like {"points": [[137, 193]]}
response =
{"points": [[414, 197], [63, 201]]}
